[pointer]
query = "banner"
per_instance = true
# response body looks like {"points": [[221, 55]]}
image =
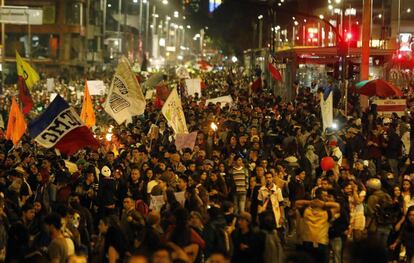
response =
{"points": [[96, 87], [1, 121], [223, 100], [150, 94], [60, 126], [183, 140], [16, 125], [173, 112], [386, 107], [193, 87], [182, 73], [157, 201], [327, 111], [50, 84], [125, 98]]}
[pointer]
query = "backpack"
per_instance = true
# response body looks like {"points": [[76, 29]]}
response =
{"points": [[142, 208], [386, 213]]}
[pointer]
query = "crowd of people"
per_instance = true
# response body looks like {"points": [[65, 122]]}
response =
{"points": [[250, 191]]}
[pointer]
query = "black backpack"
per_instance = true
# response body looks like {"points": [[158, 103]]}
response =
{"points": [[386, 213]]}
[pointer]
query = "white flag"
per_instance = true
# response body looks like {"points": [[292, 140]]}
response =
{"points": [[173, 112], [327, 111], [125, 98], [193, 86]]}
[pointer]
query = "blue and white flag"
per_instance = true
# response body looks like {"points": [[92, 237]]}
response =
{"points": [[60, 126]]}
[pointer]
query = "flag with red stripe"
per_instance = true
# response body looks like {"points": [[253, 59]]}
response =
{"points": [[272, 68], [256, 85], [24, 95]]}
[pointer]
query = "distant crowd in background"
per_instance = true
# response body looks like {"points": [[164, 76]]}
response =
{"points": [[268, 185]]}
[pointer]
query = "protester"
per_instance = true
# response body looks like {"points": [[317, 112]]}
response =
{"points": [[227, 193]]}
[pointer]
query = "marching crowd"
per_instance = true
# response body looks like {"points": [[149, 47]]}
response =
{"points": [[268, 185]]}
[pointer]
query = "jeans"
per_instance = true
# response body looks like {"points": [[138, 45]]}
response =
{"points": [[239, 201], [382, 235], [393, 163], [336, 246]]}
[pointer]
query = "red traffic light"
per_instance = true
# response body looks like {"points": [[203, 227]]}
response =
{"points": [[348, 36]]}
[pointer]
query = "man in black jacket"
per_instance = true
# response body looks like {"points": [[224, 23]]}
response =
{"points": [[246, 242]]}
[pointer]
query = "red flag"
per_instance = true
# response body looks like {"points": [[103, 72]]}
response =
{"points": [[158, 103], [274, 72], [16, 125], [24, 95], [257, 85]]}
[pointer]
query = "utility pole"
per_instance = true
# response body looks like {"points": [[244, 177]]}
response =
{"points": [[365, 51], [3, 51], [260, 32]]}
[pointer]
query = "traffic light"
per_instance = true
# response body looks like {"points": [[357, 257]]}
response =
{"points": [[348, 36]]}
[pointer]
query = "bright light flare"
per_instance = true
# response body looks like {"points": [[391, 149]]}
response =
{"points": [[214, 126]]}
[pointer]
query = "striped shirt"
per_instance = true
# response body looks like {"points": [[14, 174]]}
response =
{"points": [[240, 178]]}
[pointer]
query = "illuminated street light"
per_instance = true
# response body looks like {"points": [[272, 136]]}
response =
{"points": [[337, 1], [321, 16], [109, 5], [294, 18], [260, 17], [279, 4], [188, 26], [168, 18], [282, 1], [135, 1], [380, 16], [165, 2], [296, 23], [408, 10], [330, 7], [176, 14]]}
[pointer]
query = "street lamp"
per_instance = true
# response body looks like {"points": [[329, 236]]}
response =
{"points": [[165, 2], [408, 10], [260, 17]]}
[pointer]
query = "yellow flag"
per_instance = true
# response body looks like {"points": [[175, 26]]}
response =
{"points": [[25, 71], [16, 126], [173, 112], [87, 114]]}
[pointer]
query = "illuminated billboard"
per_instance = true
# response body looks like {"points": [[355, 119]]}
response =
{"points": [[213, 4]]}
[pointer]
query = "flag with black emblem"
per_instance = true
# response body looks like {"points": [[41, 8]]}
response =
{"points": [[125, 98]]}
